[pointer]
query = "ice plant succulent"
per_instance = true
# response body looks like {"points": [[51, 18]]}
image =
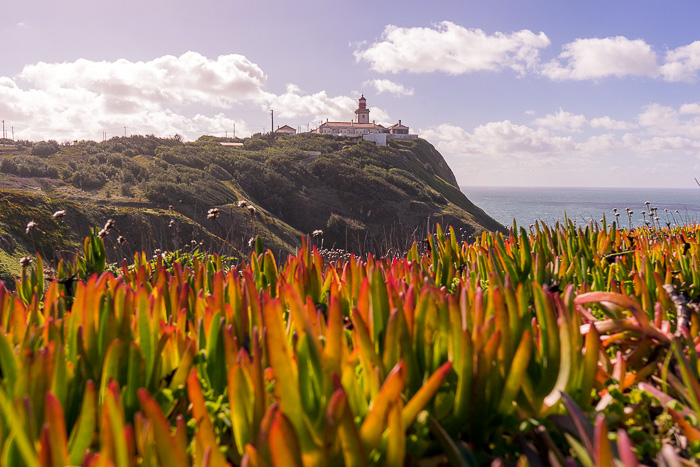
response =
{"points": [[544, 343]]}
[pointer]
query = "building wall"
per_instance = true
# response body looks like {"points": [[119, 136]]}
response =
{"points": [[378, 138], [362, 115], [348, 130]]}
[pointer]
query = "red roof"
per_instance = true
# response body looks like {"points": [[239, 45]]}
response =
{"points": [[286, 127], [352, 124]]}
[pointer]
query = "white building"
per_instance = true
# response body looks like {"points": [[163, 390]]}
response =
{"points": [[362, 126], [286, 130]]}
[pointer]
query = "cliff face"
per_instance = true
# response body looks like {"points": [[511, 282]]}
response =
{"points": [[365, 198]]}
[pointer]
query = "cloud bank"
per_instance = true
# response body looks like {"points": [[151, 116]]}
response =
{"points": [[190, 95], [452, 49], [576, 149], [455, 50]]}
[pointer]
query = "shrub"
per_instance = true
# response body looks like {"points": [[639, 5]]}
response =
{"points": [[45, 148], [88, 177], [28, 166], [160, 191], [127, 190]]}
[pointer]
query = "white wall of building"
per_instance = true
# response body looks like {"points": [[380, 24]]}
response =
{"points": [[378, 138]]}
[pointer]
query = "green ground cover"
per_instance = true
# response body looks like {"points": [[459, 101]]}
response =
{"points": [[556, 345]]}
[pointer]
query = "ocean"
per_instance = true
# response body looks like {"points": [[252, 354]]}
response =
{"points": [[527, 204]]}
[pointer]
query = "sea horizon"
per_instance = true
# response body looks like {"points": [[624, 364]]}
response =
{"points": [[525, 205]]}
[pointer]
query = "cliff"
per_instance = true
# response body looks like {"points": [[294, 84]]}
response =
{"points": [[365, 198]]}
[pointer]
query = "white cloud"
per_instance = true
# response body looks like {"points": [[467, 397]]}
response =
{"points": [[599, 145], [292, 103], [77, 113], [189, 78], [655, 145], [499, 140], [611, 124], [452, 49], [385, 85], [599, 58], [683, 63], [667, 121], [665, 143], [693, 108], [661, 131], [167, 95], [658, 117], [562, 121]]}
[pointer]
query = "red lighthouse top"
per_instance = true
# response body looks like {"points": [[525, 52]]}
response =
{"points": [[363, 102]]}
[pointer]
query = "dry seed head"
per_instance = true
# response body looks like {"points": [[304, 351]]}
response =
{"points": [[213, 213], [252, 210], [25, 261], [103, 233], [31, 225], [251, 242], [109, 225], [317, 232], [59, 214], [121, 240], [242, 203], [171, 223]]}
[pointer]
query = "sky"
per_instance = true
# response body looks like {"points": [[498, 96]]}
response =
{"points": [[511, 92]]}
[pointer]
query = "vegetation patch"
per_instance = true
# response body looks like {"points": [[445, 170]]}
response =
{"points": [[558, 344]]}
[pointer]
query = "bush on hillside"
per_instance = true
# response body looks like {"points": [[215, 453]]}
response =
{"points": [[88, 177], [28, 166], [161, 191], [45, 148]]}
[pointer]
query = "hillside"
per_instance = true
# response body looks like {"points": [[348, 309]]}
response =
{"points": [[365, 198]]}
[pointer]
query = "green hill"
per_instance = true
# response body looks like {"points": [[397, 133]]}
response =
{"points": [[365, 198]]}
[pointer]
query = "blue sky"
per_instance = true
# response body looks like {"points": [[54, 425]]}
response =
{"points": [[528, 93]]}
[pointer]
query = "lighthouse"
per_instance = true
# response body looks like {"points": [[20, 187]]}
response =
{"points": [[362, 111]]}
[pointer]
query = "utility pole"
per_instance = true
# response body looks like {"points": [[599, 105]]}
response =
{"points": [[124, 132], [272, 116], [13, 133], [234, 129], [3, 129]]}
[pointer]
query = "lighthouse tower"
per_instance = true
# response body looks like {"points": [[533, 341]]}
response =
{"points": [[362, 111]]}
